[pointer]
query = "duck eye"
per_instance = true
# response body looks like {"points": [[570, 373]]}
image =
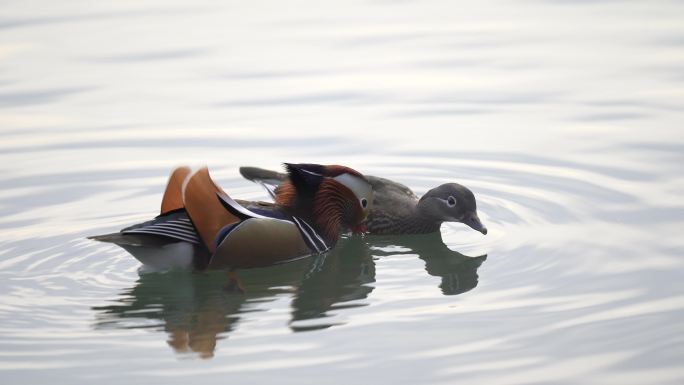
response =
{"points": [[364, 203], [451, 202]]}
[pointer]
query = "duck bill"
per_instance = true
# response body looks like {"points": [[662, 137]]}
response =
{"points": [[473, 221], [360, 228]]}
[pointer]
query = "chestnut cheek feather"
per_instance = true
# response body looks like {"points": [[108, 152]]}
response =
{"points": [[335, 205]]}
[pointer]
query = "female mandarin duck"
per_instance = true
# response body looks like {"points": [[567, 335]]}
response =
{"points": [[396, 209], [201, 227]]}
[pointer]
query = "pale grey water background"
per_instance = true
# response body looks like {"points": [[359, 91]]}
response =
{"points": [[564, 117]]}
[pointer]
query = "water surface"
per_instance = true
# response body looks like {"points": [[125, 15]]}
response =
{"points": [[564, 118]]}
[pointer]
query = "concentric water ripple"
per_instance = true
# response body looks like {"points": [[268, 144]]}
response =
{"points": [[562, 117], [83, 289]]}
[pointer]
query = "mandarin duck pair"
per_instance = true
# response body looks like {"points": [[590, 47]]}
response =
{"points": [[200, 227]]}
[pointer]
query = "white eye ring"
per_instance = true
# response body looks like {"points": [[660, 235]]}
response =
{"points": [[364, 203], [451, 201]]}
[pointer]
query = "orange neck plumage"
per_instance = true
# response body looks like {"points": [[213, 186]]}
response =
{"points": [[286, 195]]}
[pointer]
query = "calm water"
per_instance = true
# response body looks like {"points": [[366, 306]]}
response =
{"points": [[564, 117]]}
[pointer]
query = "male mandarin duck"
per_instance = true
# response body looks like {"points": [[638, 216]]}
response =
{"points": [[396, 209], [201, 227]]}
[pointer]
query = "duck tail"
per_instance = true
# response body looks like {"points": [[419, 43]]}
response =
{"points": [[109, 238], [118, 239]]}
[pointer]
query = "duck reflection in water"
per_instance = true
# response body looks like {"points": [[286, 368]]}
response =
{"points": [[197, 310]]}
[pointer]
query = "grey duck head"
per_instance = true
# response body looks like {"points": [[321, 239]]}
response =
{"points": [[451, 202]]}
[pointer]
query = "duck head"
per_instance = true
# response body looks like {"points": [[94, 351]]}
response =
{"points": [[452, 202], [334, 198]]}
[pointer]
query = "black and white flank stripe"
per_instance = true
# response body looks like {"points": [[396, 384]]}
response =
{"points": [[310, 236], [176, 226]]}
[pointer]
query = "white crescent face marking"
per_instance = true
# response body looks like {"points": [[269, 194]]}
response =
{"points": [[361, 189]]}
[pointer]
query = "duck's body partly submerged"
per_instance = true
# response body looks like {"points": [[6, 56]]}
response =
{"points": [[201, 227], [161, 244], [396, 208]]}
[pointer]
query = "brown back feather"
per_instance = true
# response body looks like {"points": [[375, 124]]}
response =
{"points": [[173, 196], [204, 209]]}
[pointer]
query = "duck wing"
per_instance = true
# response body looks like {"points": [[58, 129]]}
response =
{"points": [[207, 212], [389, 189], [268, 179], [173, 194], [392, 202]]}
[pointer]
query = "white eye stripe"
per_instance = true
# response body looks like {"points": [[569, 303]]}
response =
{"points": [[311, 172], [361, 189]]}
